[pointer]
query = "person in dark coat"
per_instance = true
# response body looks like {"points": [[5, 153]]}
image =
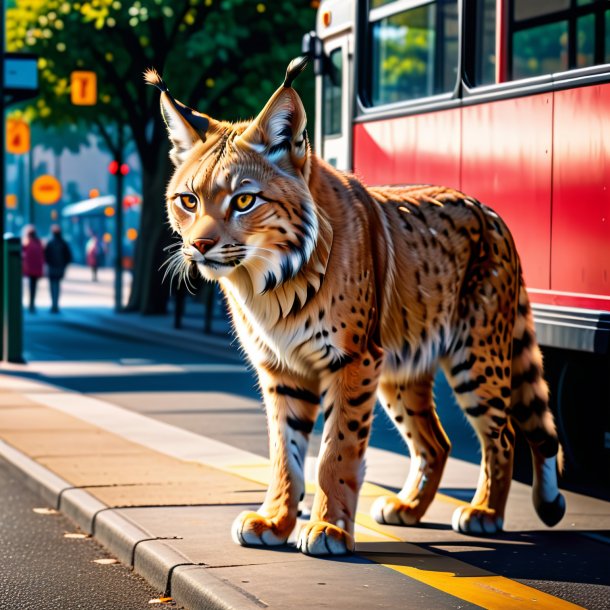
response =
{"points": [[58, 256], [32, 261]]}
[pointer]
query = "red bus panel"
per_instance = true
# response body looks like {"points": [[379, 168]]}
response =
{"points": [[506, 163], [414, 149], [581, 191]]}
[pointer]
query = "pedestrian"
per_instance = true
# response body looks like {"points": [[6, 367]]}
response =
{"points": [[57, 256], [93, 252], [32, 261]]}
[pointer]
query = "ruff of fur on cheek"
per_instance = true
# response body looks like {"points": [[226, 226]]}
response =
{"points": [[277, 267], [270, 323], [284, 283]]}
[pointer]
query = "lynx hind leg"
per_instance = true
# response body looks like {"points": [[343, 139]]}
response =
{"points": [[530, 411], [479, 374], [410, 405]]}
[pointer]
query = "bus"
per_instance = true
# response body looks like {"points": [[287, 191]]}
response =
{"points": [[508, 101]]}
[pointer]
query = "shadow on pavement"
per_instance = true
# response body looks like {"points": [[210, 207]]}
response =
{"points": [[532, 555]]}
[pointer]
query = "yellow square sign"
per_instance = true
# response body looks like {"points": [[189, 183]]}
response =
{"points": [[83, 88]]}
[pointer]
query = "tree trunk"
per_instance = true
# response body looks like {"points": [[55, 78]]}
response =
{"points": [[149, 294]]}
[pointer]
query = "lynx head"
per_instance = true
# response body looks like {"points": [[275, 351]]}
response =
{"points": [[239, 196]]}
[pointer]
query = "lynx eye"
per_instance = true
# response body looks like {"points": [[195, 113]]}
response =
{"points": [[243, 202], [188, 201]]}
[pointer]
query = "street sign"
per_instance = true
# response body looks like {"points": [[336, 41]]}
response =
{"points": [[83, 88], [46, 190], [17, 137], [20, 76]]}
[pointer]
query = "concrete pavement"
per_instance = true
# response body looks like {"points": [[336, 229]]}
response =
{"points": [[162, 500]]}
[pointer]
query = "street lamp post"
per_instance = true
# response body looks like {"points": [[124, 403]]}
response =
{"points": [[2, 185], [121, 171]]}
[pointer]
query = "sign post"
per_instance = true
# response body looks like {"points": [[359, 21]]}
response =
{"points": [[2, 181], [18, 82]]}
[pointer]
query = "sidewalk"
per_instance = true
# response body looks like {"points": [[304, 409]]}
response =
{"points": [[162, 500], [88, 304]]}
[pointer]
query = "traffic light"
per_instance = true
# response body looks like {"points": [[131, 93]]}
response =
{"points": [[114, 168]]}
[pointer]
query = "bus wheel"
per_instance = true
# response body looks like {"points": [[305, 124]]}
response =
{"points": [[580, 398]]}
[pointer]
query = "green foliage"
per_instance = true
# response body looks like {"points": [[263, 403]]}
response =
{"points": [[223, 56]]}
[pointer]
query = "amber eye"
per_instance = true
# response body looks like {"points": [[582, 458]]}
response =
{"points": [[243, 202], [188, 201]]}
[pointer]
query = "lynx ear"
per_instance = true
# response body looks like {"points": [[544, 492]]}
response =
{"points": [[279, 130], [185, 125]]}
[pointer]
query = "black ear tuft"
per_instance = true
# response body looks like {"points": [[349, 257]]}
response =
{"points": [[295, 67], [200, 122]]}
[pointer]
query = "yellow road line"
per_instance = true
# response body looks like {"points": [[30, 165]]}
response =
{"points": [[455, 577]]}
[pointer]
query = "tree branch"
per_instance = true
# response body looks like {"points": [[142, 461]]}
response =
{"points": [[175, 30], [105, 134], [136, 120], [200, 87]]}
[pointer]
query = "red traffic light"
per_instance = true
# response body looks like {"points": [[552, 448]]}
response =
{"points": [[114, 168]]}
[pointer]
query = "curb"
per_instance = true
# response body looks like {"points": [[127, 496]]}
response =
{"points": [[190, 585]]}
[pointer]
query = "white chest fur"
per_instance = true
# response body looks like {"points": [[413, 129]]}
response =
{"points": [[297, 343]]}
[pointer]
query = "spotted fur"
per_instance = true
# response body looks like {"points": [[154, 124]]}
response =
{"points": [[341, 294]]}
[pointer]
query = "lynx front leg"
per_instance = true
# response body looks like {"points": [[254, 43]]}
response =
{"points": [[348, 409], [292, 405]]}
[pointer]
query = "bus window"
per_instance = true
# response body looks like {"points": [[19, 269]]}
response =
{"points": [[540, 50], [556, 35], [585, 39], [331, 94], [607, 46], [414, 52], [485, 58]]}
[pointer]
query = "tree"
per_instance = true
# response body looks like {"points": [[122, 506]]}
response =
{"points": [[224, 57]]}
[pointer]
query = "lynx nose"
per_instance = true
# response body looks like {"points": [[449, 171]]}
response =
{"points": [[204, 243]]}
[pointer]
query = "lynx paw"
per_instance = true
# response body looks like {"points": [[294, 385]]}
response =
{"points": [[252, 529], [391, 510], [321, 538], [473, 520]]}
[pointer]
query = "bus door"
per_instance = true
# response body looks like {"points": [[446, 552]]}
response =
{"points": [[333, 96]]}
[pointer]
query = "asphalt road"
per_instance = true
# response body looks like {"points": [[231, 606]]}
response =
{"points": [[42, 569]]}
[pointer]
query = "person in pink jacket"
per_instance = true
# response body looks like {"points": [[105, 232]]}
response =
{"points": [[33, 261]]}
